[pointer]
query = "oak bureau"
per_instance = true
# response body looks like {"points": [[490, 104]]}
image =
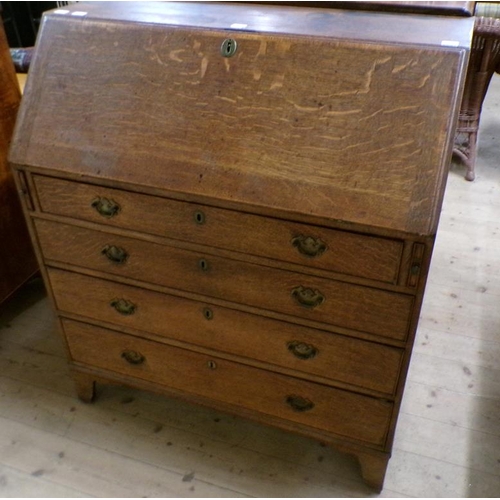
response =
{"points": [[237, 204]]}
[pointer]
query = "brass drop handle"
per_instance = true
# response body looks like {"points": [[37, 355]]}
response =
{"points": [[124, 307], [309, 246], [133, 357], [308, 297], [298, 403], [115, 254], [302, 350], [105, 207]]}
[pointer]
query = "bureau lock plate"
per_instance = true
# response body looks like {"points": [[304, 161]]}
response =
{"points": [[228, 47]]}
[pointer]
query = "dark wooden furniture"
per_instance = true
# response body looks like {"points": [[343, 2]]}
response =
{"points": [[236, 205], [22, 19], [17, 260], [448, 8]]}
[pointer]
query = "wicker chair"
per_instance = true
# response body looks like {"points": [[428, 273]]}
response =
{"points": [[484, 61]]}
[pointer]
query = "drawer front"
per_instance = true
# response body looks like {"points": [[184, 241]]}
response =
{"points": [[333, 410], [336, 357], [341, 304], [321, 248]]}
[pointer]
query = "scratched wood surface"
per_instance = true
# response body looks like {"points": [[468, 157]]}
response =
{"points": [[368, 146]]}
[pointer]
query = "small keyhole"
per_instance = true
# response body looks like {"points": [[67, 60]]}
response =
{"points": [[199, 217], [208, 313], [203, 264], [212, 365]]}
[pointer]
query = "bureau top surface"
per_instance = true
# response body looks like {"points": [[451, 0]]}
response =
{"points": [[330, 113], [338, 23]]}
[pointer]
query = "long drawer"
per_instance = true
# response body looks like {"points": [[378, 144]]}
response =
{"points": [[341, 304], [343, 252], [352, 361], [334, 410]]}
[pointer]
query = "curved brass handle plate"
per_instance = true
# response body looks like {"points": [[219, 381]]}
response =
{"points": [[309, 246], [133, 357], [298, 403], [105, 207], [124, 307], [308, 297], [302, 350], [115, 254]]}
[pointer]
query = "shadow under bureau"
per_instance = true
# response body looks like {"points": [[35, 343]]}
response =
{"points": [[236, 204]]}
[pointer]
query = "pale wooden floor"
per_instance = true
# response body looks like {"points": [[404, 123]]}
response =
{"points": [[131, 443]]}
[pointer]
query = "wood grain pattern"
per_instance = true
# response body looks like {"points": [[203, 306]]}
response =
{"points": [[250, 122], [347, 253], [346, 305], [356, 362], [232, 383]]}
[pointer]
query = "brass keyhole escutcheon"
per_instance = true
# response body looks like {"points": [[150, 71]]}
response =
{"points": [[208, 313], [203, 265], [212, 365], [228, 47], [199, 217]]}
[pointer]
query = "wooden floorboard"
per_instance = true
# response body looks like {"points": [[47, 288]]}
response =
{"points": [[133, 444]]}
